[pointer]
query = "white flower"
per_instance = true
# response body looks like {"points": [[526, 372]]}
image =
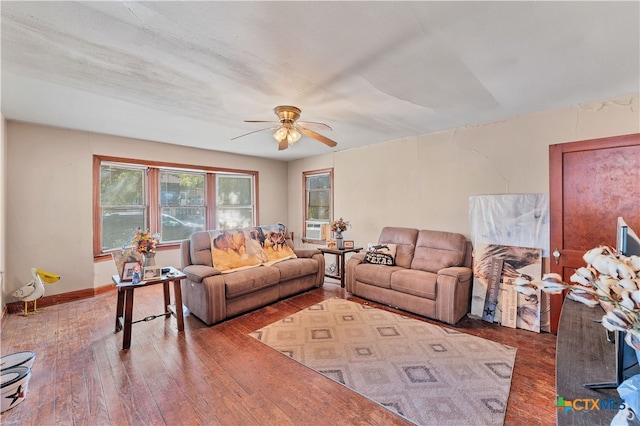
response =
{"points": [[526, 290], [633, 338], [591, 255], [602, 263], [583, 297], [615, 320], [628, 284], [552, 283], [626, 300], [580, 279], [610, 280], [521, 281], [625, 271]]}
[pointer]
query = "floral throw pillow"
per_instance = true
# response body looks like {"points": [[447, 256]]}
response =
{"points": [[381, 254]]}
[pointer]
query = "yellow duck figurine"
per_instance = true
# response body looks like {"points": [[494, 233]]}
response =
{"points": [[34, 290]]}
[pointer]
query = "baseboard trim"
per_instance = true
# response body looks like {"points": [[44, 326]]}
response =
{"points": [[56, 299]]}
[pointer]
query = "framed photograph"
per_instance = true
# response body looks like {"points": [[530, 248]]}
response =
{"points": [[120, 257], [349, 244], [152, 272], [128, 270]]}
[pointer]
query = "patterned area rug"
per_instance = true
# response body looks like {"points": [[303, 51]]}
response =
{"points": [[428, 374]]}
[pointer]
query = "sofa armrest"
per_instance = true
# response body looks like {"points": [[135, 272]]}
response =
{"points": [[196, 273], [454, 293], [461, 273], [308, 253], [350, 270]]}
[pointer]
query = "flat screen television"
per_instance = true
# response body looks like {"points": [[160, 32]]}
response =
{"points": [[627, 241], [627, 244]]}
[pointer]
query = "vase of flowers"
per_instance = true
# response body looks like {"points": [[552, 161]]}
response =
{"points": [[610, 280], [145, 244], [338, 227]]}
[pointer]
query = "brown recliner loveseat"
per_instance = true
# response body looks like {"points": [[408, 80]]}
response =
{"points": [[214, 296], [432, 275]]}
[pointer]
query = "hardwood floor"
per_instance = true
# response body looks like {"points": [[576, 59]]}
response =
{"points": [[216, 375]]}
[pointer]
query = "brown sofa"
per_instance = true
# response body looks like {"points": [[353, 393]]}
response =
{"points": [[214, 296], [432, 276]]}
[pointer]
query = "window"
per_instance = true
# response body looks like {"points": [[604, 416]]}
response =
{"points": [[182, 208], [123, 205], [234, 201], [318, 204], [171, 200]]}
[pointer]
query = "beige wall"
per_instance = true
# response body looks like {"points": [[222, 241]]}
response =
{"points": [[425, 181], [422, 181], [49, 199]]}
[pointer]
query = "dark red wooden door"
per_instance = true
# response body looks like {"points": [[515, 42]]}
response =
{"points": [[591, 183]]}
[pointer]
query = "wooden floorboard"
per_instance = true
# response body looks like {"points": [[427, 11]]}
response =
{"points": [[218, 374]]}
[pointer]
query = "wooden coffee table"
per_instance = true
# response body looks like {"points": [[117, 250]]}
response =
{"points": [[340, 261], [124, 309]]}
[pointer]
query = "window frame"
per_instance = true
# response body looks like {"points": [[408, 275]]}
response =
{"points": [[219, 209], [152, 196], [305, 175]]}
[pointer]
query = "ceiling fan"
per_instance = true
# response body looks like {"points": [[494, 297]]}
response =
{"points": [[290, 129]]}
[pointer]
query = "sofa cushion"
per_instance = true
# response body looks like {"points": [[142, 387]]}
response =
{"points": [[377, 275], [249, 280], [296, 268], [405, 238], [415, 282], [381, 254], [200, 248], [436, 250]]}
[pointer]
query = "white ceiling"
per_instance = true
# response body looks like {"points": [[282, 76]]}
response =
{"points": [[189, 73]]}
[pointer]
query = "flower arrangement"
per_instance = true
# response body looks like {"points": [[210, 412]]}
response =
{"points": [[610, 280], [340, 225], [144, 242]]}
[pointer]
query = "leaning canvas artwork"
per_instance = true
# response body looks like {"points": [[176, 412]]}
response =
{"points": [[497, 302]]}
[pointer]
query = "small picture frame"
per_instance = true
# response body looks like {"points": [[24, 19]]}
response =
{"points": [[128, 270], [349, 244], [152, 273], [120, 257]]}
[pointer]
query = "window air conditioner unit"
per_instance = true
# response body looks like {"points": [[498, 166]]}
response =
{"points": [[314, 230]]}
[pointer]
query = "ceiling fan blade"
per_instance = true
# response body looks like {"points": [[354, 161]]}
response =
{"points": [[314, 123], [325, 140], [260, 121], [283, 144], [255, 131]]}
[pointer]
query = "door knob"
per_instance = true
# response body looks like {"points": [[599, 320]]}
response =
{"points": [[556, 255]]}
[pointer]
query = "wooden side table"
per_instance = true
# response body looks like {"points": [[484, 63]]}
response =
{"points": [[340, 261], [124, 308]]}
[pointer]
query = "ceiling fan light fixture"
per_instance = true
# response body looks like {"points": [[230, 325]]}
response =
{"points": [[290, 134], [293, 136], [280, 134], [289, 130]]}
